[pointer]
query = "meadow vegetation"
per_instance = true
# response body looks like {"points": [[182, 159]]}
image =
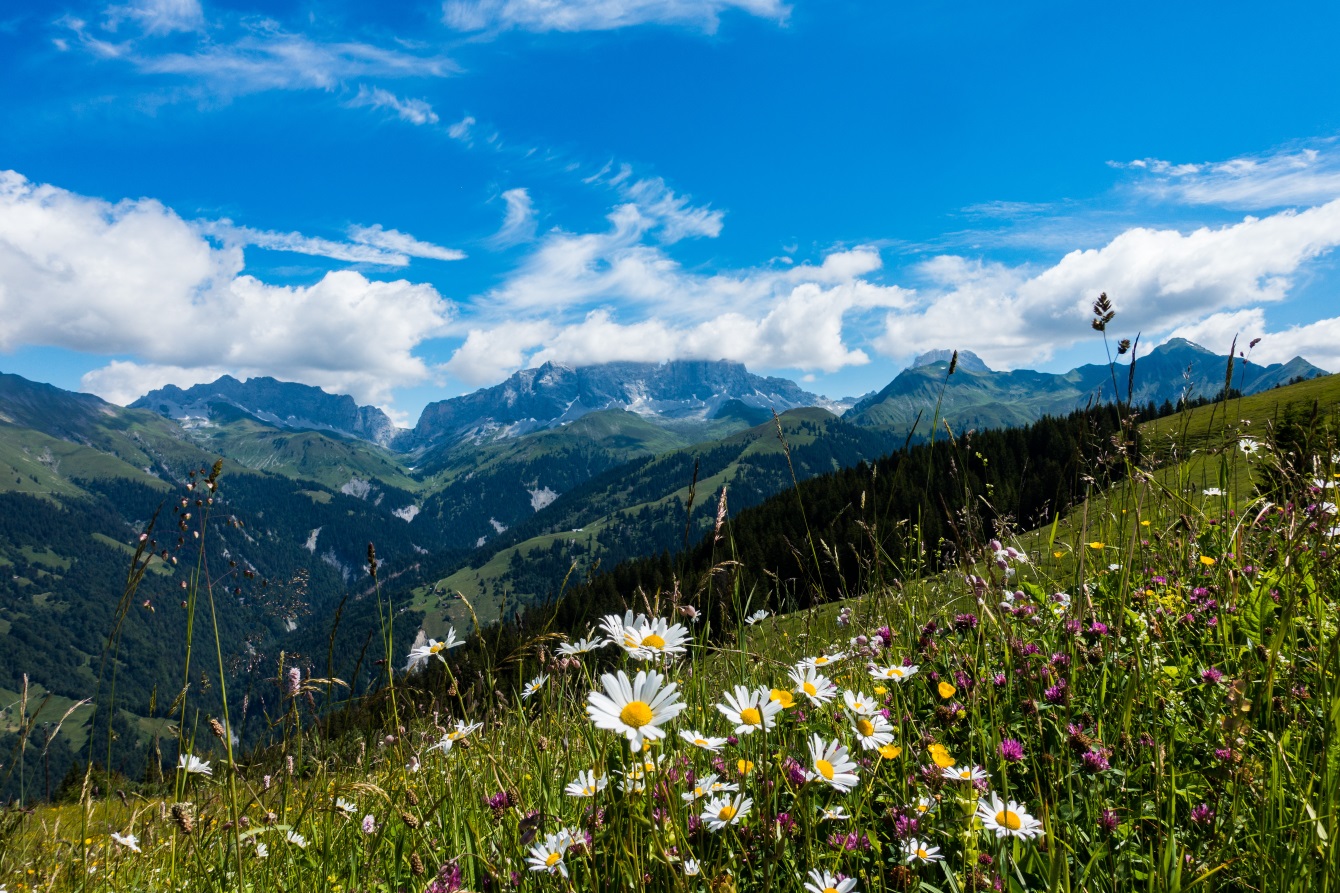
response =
{"points": [[1144, 697]]}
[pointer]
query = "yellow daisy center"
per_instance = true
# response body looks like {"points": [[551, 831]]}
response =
{"points": [[824, 768], [701, 742], [697, 792], [922, 854], [552, 859], [865, 727], [830, 889], [965, 773], [636, 714], [653, 641], [922, 807], [435, 648], [810, 689], [1009, 820], [727, 813], [820, 660], [895, 672], [750, 716]]}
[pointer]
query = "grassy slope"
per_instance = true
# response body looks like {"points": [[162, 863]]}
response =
{"points": [[441, 609]]}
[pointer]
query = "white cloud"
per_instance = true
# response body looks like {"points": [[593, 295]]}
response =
{"points": [[230, 234], [133, 278], [599, 15], [1305, 176], [1218, 331], [367, 245], [677, 218], [1159, 279], [156, 17], [1317, 342], [519, 220], [415, 111], [401, 243], [559, 305], [461, 129], [266, 58]]}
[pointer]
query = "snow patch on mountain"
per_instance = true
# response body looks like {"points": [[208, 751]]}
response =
{"points": [[357, 488], [408, 513], [541, 497]]}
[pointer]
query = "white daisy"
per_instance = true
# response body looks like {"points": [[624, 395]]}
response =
{"points": [[723, 811], [916, 850], [261, 850], [654, 639], [581, 646], [586, 785], [1007, 819], [129, 841], [634, 709], [1212, 491], [823, 882], [345, 806], [691, 867], [420, 653], [534, 686], [833, 814], [1249, 446], [963, 773], [750, 709], [830, 764], [873, 731], [547, 855], [461, 731], [823, 660], [813, 685], [193, 765], [893, 673], [698, 739], [924, 805], [614, 626], [756, 617], [706, 787], [296, 839], [859, 703]]}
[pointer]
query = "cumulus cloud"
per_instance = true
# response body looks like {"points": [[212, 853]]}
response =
{"points": [[134, 278], [414, 111], [518, 220], [1306, 176], [1161, 279], [599, 15], [582, 298]]}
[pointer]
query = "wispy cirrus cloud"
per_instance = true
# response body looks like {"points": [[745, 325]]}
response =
{"points": [[242, 56], [599, 15], [1304, 175], [413, 111], [366, 244], [518, 220], [157, 17]]}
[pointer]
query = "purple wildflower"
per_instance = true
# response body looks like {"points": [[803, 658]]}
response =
{"points": [[1211, 675], [1096, 761], [1202, 814], [1011, 750], [1108, 820]]}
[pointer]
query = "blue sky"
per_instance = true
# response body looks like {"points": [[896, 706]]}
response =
{"points": [[405, 204]]}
